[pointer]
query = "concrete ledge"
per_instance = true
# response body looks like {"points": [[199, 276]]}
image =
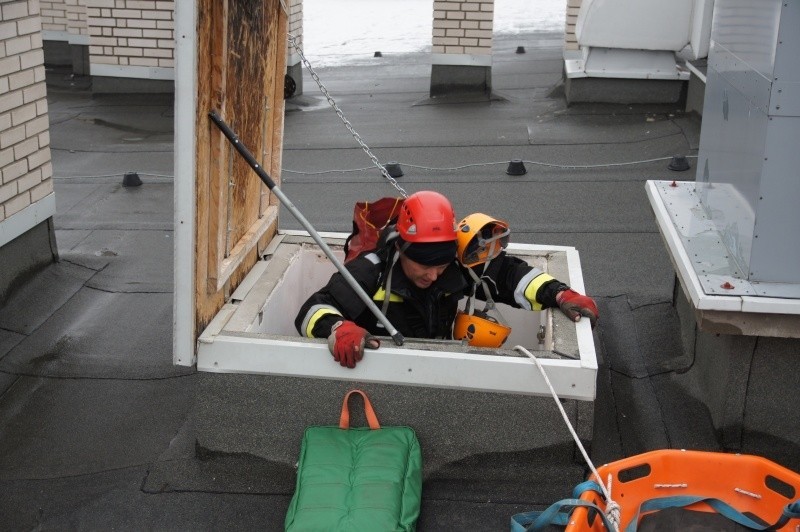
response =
{"points": [[265, 416], [25, 255], [460, 79], [734, 374], [115, 85], [623, 91]]}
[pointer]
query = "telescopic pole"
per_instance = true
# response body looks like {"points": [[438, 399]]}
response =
{"points": [[245, 153]]}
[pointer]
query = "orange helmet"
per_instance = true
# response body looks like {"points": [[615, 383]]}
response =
{"points": [[426, 216], [480, 329], [481, 238]]}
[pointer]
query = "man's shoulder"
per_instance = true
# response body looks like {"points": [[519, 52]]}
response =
{"points": [[368, 266], [453, 279]]}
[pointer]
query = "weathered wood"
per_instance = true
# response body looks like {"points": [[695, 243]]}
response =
{"points": [[206, 30], [221, 158], [241, 64]]}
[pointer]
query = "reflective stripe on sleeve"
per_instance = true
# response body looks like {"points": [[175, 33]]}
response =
{"points": [[314, 314], [527, 288], [380, 295]]}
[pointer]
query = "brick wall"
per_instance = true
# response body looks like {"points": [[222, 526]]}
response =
{"points": [[462, 27], [131, 38], [24, 128], [570, 42], [295, 26], [54, 17], [76, 18], [64, 20]]}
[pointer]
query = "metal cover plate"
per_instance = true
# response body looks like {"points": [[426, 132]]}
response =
{"points": [[682, 218]]}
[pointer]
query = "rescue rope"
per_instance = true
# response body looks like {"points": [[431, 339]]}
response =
{"points": [[344, 120], [613, 510]]}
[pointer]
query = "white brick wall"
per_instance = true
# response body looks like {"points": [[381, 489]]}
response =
{"points": [[462, 27], [76, 17], [570, 42], [131, 33], [25, 168], [54, 15], [295, 26]]}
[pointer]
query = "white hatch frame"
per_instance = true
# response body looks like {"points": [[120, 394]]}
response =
{"points": [[231, 344]]}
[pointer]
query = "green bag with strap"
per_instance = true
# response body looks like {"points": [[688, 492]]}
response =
{"points": [[357, 479]]}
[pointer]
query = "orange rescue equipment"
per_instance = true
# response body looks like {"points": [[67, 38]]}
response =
{"points": [[480, 329], [481, 238], [751, 485]]}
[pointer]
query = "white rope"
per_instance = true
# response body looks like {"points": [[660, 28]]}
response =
{"points": [[660, 486], [613, 510]]}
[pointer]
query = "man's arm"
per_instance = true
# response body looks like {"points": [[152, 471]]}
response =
{"points": [[330, 313], [518, 284], [336, 300]]}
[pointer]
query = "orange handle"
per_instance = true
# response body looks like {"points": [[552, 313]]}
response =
{"points": [[372, 419]]}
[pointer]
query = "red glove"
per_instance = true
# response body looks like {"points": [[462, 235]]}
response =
{"points": [[347, 342], [575, 305]]}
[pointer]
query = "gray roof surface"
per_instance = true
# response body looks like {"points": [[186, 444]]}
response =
{"points": [[96, 424]]}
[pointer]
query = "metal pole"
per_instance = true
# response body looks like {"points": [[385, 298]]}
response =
{"points": [[245, 153]]}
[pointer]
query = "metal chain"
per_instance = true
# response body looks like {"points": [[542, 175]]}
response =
{"points": [[346, 122]]}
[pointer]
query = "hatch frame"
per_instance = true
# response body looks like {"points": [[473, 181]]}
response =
{"points": [[226, 348]]}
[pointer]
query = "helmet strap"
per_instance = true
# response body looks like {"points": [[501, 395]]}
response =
{"points": [[492, 242]]}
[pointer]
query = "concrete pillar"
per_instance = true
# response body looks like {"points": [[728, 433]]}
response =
{"points": [[461, 55], [27, 202], [294, 68]]}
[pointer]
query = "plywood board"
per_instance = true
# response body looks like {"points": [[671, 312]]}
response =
{"points": [[241, 47]]}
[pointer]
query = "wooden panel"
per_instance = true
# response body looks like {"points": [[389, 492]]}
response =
{"points": [[241, 64]]}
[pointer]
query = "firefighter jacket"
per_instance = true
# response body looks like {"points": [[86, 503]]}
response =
{"points": [[417, 312]]}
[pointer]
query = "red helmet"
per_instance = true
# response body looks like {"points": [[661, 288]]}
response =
{"points": [[427, 216]]}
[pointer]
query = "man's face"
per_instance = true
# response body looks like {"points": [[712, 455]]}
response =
{"points": [[422, 276]]}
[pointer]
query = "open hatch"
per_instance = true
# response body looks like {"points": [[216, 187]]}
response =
{"points": [[254, 333], [239, 282]]}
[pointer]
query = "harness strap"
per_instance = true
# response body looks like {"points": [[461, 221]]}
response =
{"points": [[790, 511], [490, 304], [388, 288], [557, 514], [723, 508]]}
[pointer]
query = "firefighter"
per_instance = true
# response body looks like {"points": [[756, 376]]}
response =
{"points": [[414, 276]]}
